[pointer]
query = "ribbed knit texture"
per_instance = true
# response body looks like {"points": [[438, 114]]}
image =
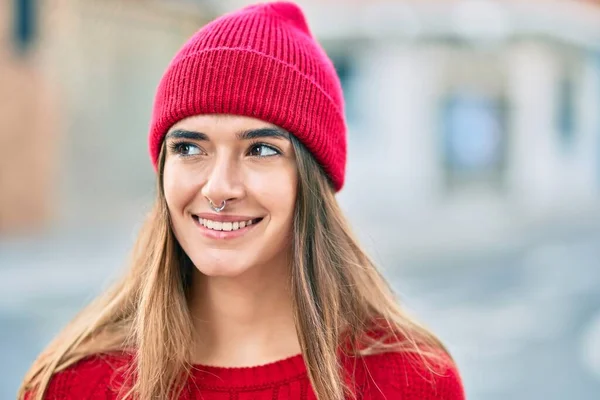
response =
{"points": [[389, 376], [263, 62]]}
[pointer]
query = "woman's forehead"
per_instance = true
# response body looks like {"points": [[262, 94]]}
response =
{"points": [[222, 123]]}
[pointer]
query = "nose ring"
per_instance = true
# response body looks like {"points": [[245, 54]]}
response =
{"points": [[215, 208]]}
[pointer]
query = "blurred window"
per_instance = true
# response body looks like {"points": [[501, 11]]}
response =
{"points": [[565, 114], [473, 139], [344, 66], [24, 24]]}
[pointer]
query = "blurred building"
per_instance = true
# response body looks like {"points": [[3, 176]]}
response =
{"points": [[471, 121], [496, 97], [29, 124], [77, 79], [477, 115], [110, 55]]}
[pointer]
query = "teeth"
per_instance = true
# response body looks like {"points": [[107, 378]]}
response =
{"points": [[224, 226]]}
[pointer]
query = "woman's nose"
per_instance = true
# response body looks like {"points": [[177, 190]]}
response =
{"points": [[223, 183]]}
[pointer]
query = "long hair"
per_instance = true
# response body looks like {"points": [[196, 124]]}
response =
{"points": [[338, 294]]}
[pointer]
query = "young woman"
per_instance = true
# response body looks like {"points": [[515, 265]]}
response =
{"points": [[246, 282]]}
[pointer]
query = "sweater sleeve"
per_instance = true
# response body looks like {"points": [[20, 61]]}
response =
{"points": [[395, 376]]}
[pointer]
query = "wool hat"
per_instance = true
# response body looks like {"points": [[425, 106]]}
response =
{"points": [[260, 61]]}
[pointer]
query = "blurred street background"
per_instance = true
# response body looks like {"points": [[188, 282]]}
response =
{"points": [[473, 176]]}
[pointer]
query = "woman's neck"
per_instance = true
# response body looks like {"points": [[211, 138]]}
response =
{"points": [[243, 321]]}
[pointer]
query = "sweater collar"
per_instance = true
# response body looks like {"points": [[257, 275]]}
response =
{"points": [[277, 372]]}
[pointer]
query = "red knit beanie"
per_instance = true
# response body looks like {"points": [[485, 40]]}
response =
{"points": [[260, 61]]}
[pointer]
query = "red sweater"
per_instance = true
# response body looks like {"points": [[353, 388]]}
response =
{"points": [[389, 376]]}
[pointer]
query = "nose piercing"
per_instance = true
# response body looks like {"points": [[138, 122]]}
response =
{"points": [[215, 208]]}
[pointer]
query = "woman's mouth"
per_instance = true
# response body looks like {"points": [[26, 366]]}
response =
{"points": [[225, 229], [225, 226]]}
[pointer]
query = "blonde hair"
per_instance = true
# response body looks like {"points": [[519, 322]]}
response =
{"points": [[338, 295]]}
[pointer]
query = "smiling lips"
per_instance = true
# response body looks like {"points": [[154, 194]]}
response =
{"points": [[224, 226]]}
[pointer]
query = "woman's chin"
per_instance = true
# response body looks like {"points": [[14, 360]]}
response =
{"points": [[222, 269], [222, 273]]}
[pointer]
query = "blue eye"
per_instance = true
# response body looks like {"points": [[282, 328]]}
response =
{"points": [[185, 149], [263, 150]]}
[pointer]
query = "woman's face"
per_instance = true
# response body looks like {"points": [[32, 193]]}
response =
{"points": [[246, 162]]}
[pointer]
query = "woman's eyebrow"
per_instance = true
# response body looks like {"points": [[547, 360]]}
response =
{"points": [[243, 135], [184, 134], [263, 133]]}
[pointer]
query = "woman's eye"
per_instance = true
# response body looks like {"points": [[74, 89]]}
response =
{"points": [[186, 149], [263, 150]]}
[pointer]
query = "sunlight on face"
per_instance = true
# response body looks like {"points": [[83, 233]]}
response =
{"points": [[246, 162]]}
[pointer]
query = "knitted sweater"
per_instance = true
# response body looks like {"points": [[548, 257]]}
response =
{"points": [[387, 376]]}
